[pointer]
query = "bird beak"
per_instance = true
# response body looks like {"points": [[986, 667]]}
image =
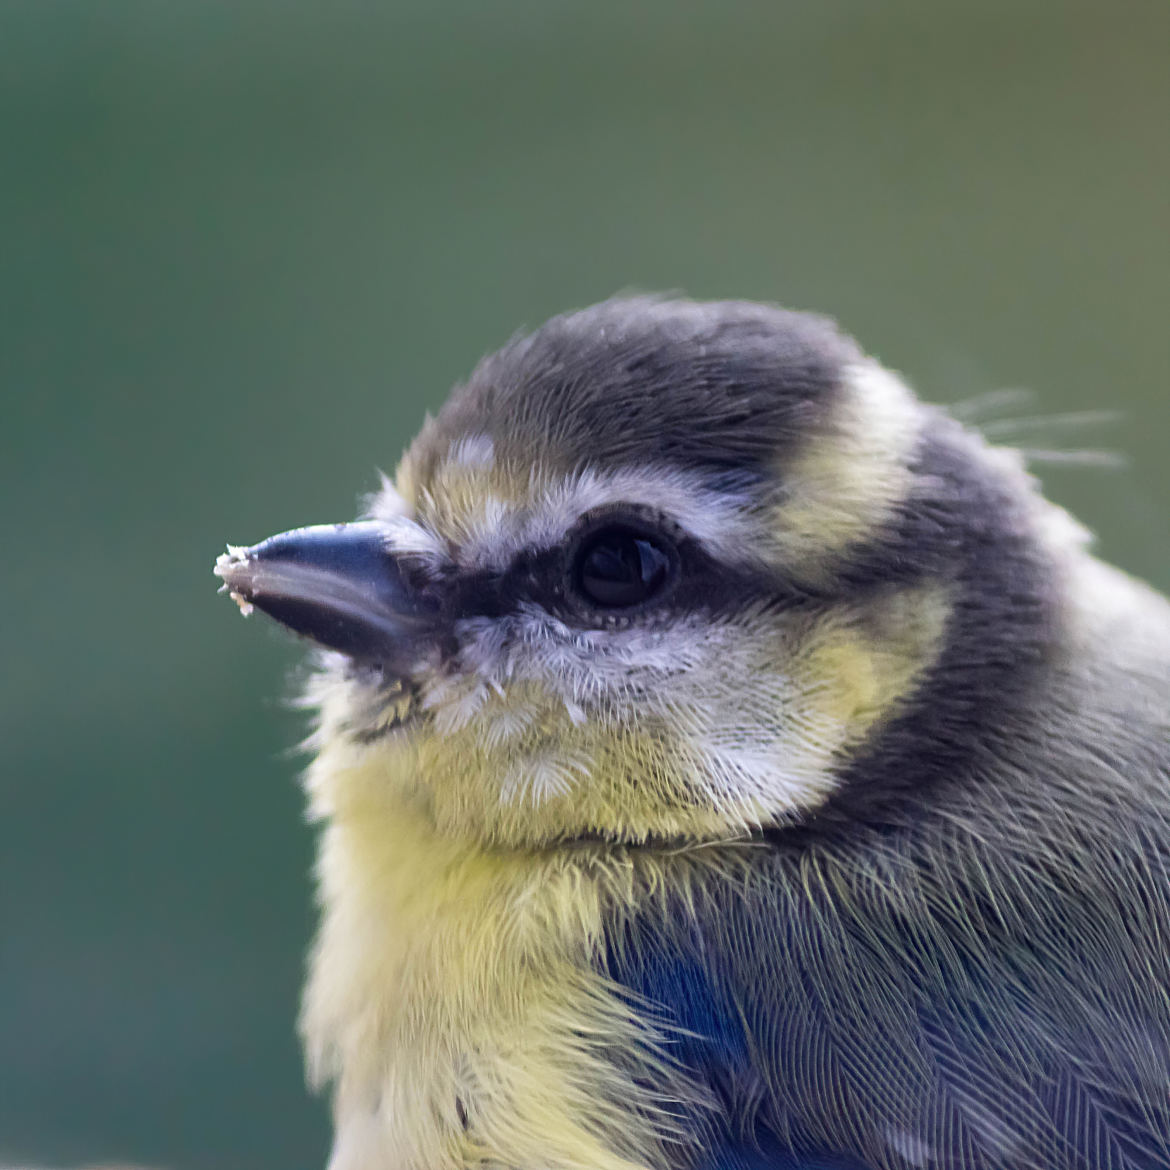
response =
{"points": [[339, 585]]}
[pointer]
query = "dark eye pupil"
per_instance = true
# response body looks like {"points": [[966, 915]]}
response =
{"points": [[621, 568]]}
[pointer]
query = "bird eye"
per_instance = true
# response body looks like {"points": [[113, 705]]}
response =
{"points": [[617, 568]]}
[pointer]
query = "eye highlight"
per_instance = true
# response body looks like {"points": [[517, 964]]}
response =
{"points": [[618, 567]]}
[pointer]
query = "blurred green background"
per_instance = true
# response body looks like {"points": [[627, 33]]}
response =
{"points": [[246, 244]]}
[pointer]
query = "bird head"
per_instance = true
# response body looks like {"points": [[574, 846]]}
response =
{"points": [[663, 571]]}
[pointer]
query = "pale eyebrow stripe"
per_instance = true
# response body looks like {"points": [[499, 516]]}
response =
{"points": [[836, 489], [726, 523], [803, 517]]}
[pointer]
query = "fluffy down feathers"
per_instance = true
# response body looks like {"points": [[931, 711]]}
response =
{"points": [[848, 850]]}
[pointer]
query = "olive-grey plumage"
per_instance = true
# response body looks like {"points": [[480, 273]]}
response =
{"points": [[739, 765]]}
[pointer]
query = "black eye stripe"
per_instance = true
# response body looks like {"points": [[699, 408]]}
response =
{"points": [[642, 568]]}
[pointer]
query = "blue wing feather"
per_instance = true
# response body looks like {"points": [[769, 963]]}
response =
{"points": [[710, 1041], [827, 1038]]}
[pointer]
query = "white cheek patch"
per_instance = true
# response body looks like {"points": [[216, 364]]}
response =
{"points": [[539, 703], [746, 733], [706, 728], [771, 765]]}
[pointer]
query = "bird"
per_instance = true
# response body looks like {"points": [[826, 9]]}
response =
{"points": [[724, 760]]}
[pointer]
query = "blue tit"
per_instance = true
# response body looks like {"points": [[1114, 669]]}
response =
{"points": [[725, 761]]}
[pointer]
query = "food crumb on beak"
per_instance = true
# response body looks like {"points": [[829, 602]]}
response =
{"points": [[245, 605], [235, 555]]}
